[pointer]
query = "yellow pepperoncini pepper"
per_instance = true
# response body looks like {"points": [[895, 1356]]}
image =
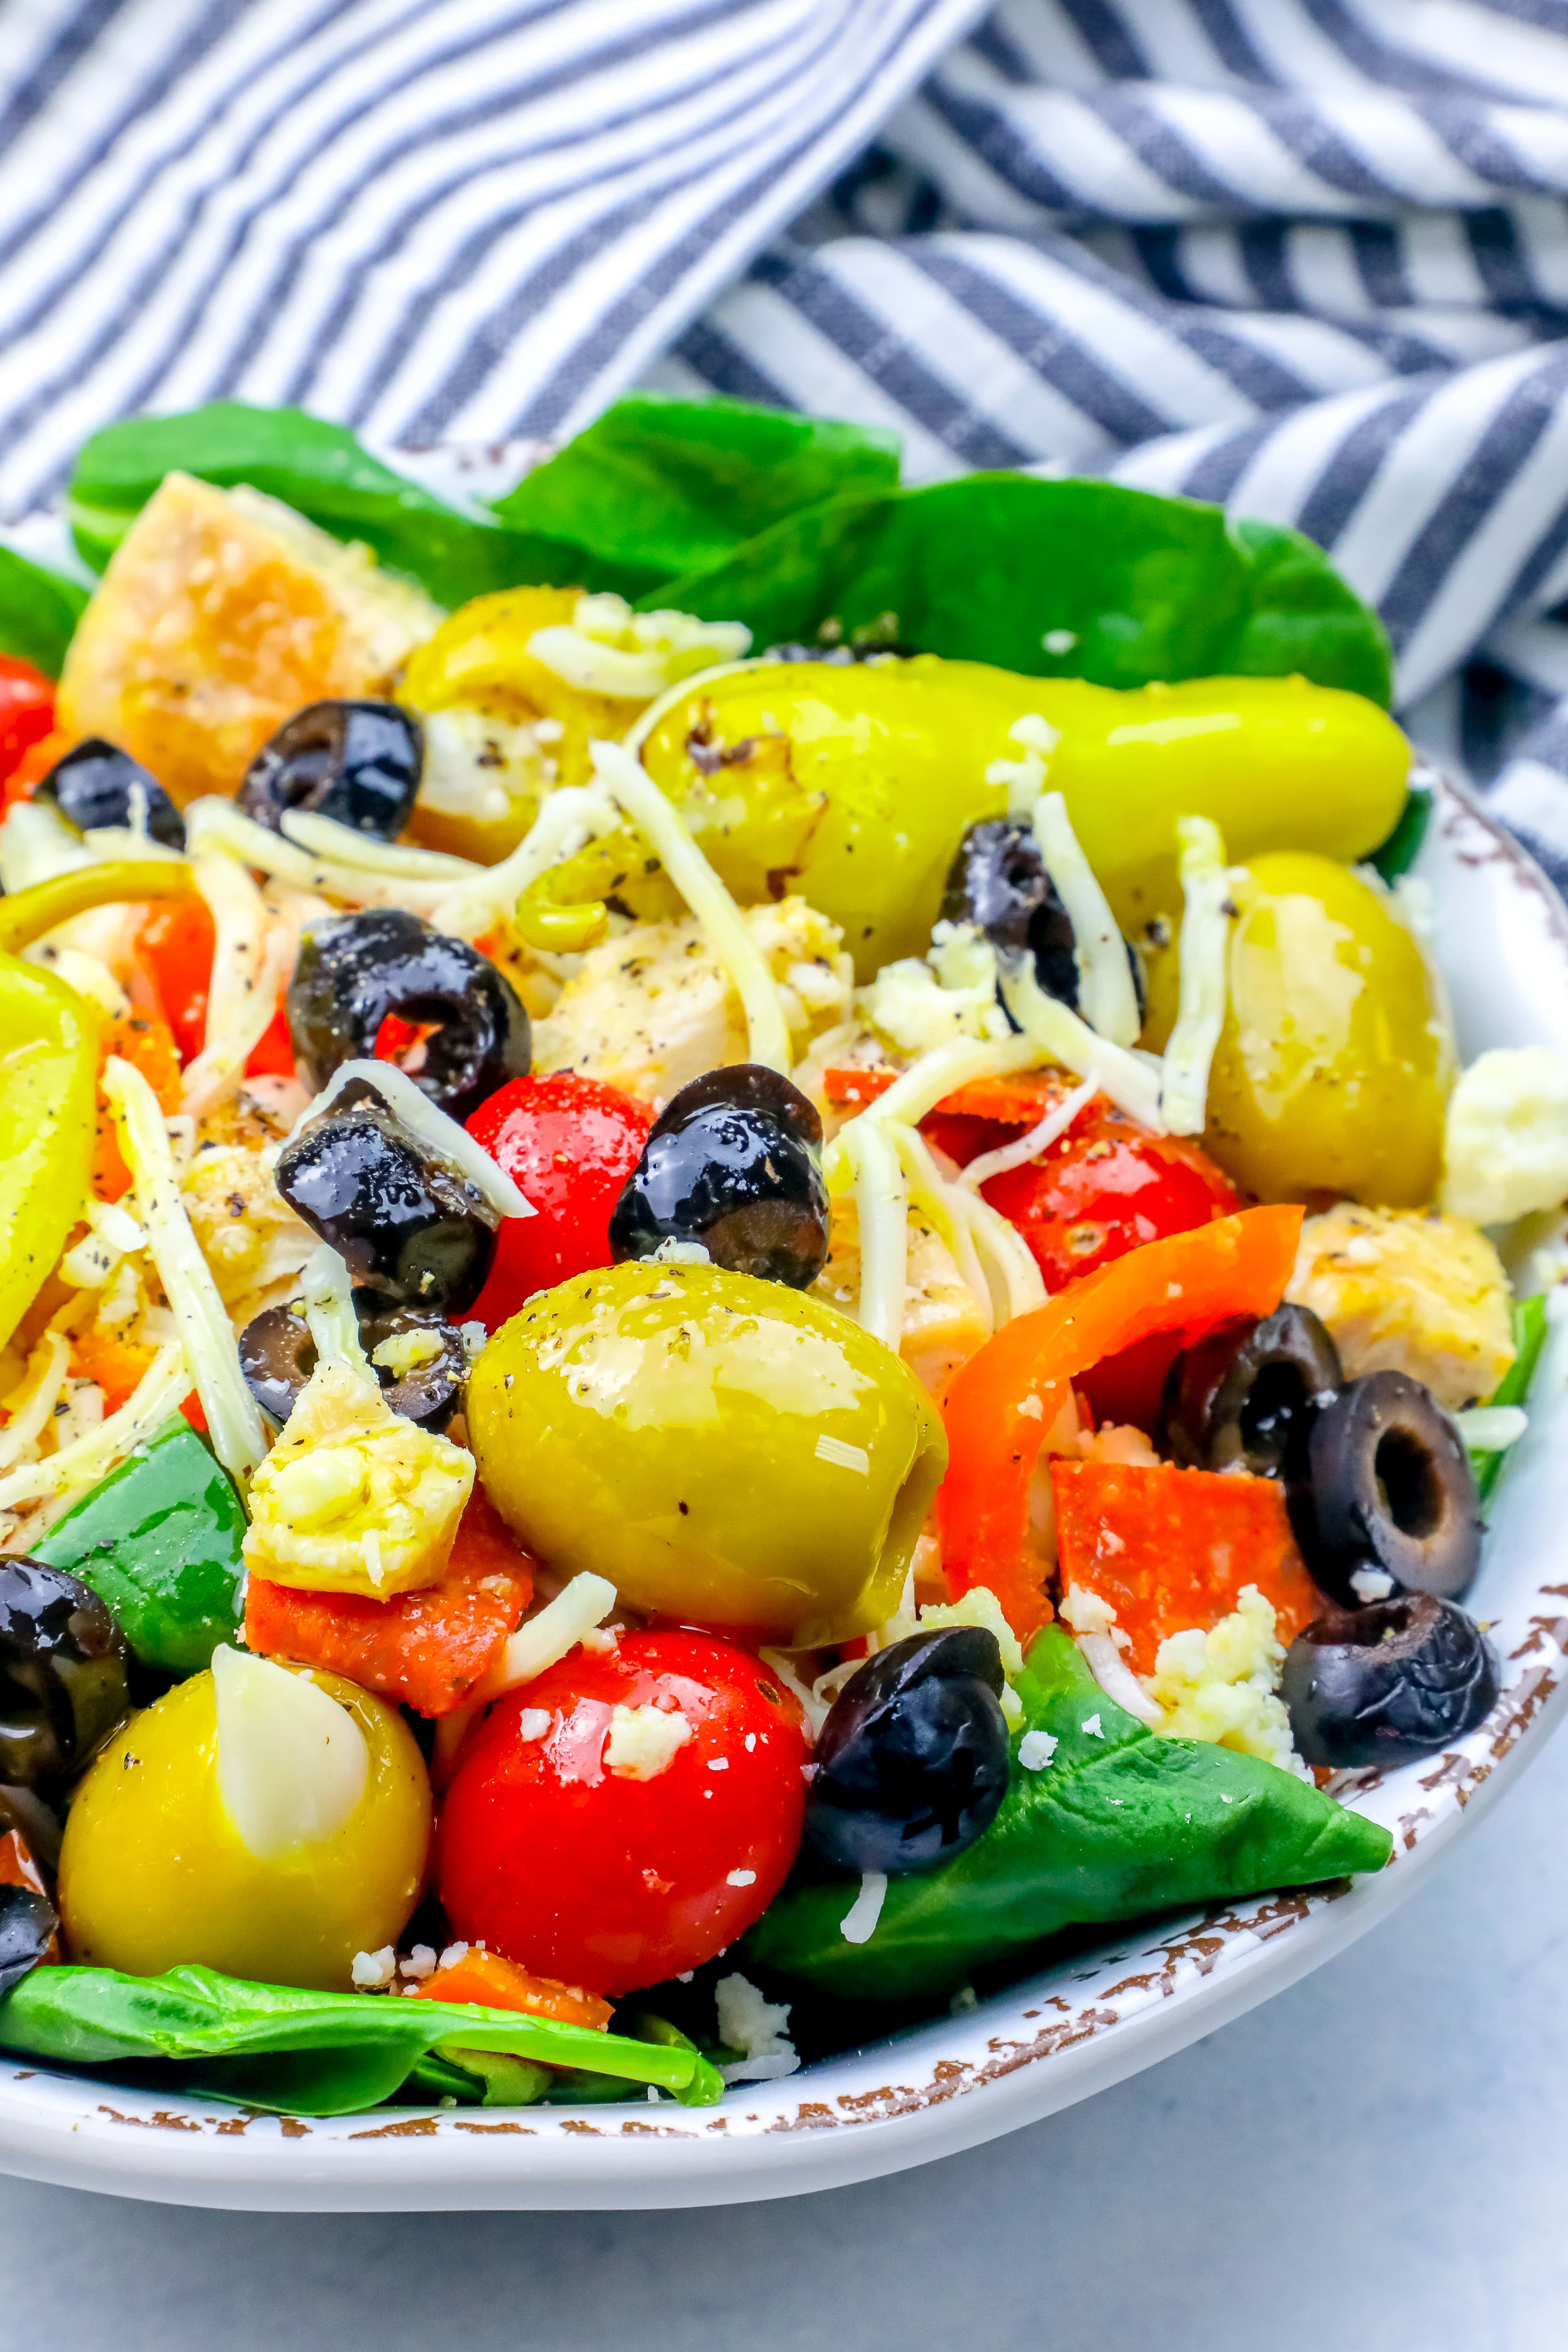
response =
{"points": [[49, 1067], [905, 755], [477, 661]]}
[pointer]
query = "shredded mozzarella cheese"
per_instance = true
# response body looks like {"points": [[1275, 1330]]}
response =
{"points": [[1033, 1145], [1105, 996], [443, 1136], [1130, 1078], [718, 917], [159, 1391], [1205, 951], [1011, 1270], [251, 962], [343, 845], [543, 1640], [31, 1404], [328, 1291], [882, 1205], [858, 1923], [234, 1418]]}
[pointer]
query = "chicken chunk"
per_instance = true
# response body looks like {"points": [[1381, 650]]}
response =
{"points": [[1408, 1290], [654, 1008]]}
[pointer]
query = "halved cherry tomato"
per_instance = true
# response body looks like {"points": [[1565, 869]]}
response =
{"points": [[569, 1144], [27, 709], [579, 1868]]}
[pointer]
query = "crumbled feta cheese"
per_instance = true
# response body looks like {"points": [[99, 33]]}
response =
{"points": [[1092, 1724], [860, 1921], [1222, 1686], [721, 1763], [420, 1963], [919, 1002], [749, 2024], [1036, 1749], [741, 1878], [1371, 1584], [451, 1955], [373, 1971], [643, 1740], [1505, 1149], [534, 1722]]}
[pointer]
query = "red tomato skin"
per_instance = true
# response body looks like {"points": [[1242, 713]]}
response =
{"points": [[27, 709], [1107, 1188], [569, 1144], [609, 1882]]}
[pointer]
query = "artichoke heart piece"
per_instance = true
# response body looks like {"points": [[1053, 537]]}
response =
{"points": [[352, 1498]]}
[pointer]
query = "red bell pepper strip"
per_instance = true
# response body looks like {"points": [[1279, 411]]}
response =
{"points": [[1003, 1402], [1171, 1548], [429, 1648]]}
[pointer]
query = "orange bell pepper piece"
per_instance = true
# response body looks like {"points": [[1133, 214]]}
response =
{"points": [[491, 1982], [1004, 1400], [1022, 1100], [117, 1366], [429, 1648], [146, 1041], [1171, 1548]]}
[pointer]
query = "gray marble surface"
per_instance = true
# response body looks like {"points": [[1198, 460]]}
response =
{"points": [[1376, 2160]]}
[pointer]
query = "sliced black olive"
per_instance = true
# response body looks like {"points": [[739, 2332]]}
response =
{"points": [[998, 882], [357, 763], [278, 1355], [1378, 1685], [731, 1162], [1386, 1485], [428, 1388], [911, 1763], [355, 969], [98, 785], [1238, 1399], [405, 1223], [27, 1929], [63, 1675]]}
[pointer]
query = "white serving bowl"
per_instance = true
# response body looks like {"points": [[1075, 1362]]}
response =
{"points": [[1501, 936]]}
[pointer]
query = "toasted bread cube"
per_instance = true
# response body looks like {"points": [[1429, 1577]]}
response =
{"points": [[223, 612]]}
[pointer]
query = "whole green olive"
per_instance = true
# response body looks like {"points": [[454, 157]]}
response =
{"points": [[727, 1452]]}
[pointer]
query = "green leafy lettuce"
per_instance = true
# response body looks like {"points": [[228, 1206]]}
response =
{"points": [[657, 487], [1529, 1316], [325, 2053], [1121, 1822], [1052, 579], [38, 612]]}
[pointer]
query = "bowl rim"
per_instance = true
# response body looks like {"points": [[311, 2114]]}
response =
{"points": [[1044, 2041]]}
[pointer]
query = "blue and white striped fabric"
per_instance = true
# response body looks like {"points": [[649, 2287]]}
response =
{"points": [[1308, 257]]}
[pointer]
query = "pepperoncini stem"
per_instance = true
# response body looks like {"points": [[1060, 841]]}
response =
{"points": [[33, 913]]}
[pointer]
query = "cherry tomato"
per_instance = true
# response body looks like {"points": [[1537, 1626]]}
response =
{"points": [[1105, 1187], [579, 1869], [569, 1144], [27, 709]]}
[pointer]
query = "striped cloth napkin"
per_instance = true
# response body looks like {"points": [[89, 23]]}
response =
{"points": [[1308, 257]]}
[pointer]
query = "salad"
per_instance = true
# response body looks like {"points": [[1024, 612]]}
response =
{"points": [[742, 1263]]}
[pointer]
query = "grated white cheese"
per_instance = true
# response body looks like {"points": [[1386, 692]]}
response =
{"points": [[30, 1405], [1128, 1077], [373, 1971], [1036, 1749], [1107, 998], [159, 1391], [422, 1117], [747, 2023], [606, 648], [232, 1415], [718, 917], [543, 1640], [36, 844], [859, 1922], [1092, 1726], [1011, 1269], [1035, 1144], [1492, 1428], [252, 959], [1205, 954], [644, 1740], [882, 1206]]}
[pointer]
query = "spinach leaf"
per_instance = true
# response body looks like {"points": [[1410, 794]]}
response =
{"points": [[656, 488], [1402, 847], [316, 468], [1302, 617], [1529, 1316], [159, 1540], [315, 2054], [38, 612], [1054, 578], [1120, 1823]]}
